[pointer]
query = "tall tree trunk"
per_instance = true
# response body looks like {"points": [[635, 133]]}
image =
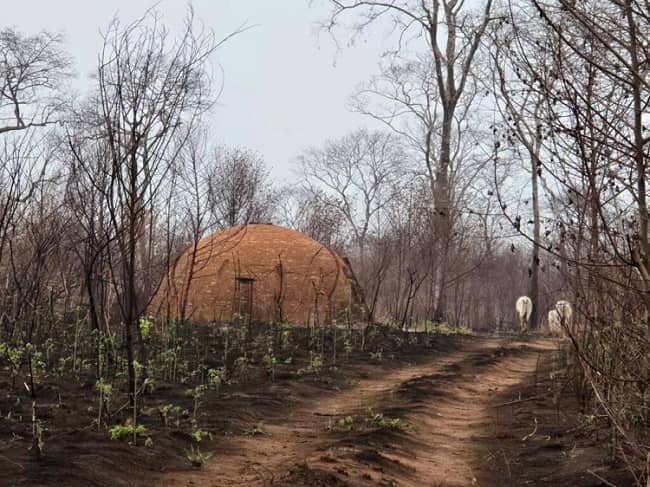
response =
{"points": [[131, 318], [442, 217], [537, 240]]}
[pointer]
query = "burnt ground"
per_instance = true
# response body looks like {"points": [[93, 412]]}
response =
{"points": [[455, 414], [540, 436]]}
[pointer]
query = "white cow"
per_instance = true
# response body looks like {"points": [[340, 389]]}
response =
{"points": [[559, 318], [565, 311], [524, 307]]}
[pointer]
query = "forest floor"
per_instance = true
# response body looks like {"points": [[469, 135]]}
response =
{"points": [[473, 410]]}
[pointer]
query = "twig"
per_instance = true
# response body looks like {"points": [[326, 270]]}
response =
{"points": [[12, 462], [120, 409], [531, 434], [604, 481], [505, 459], [517, 401]]}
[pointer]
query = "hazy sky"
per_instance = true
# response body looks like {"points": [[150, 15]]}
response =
{"points": [[285, 84]]}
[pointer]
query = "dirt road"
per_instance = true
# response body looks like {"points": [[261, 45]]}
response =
{"points": [[445, 417]]}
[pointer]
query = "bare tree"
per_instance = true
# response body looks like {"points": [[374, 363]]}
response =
{"points": [[192, 197], [520, 105], [409, 236], [587, 132], [239, 188], [32, 72], [86, 194], [315, 215], [452, 35], [360, 173], [150, 90]]}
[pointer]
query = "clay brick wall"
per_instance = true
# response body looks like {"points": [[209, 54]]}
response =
{"points": [[294, 279]]}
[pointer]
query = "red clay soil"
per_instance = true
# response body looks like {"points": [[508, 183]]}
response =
{"points": [[449, 432]]}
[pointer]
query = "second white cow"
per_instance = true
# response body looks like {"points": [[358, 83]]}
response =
{"points": [[560, 317]]}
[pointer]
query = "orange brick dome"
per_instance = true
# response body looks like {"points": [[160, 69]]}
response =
{"points": [[261, 273]]}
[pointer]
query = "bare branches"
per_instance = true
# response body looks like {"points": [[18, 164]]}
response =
{"points": [[151, 91], [239, 188], [32, 72], [360, 172], [420, 92]]}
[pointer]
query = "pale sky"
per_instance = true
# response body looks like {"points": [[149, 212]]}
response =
{"points": [[285, 84]]}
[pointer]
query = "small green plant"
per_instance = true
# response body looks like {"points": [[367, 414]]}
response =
{"points": [[446, 329], [377, 356], [137, 368], [146, 323], [342, 424], [379, 421], [105, 391], [216, 378], [347, 347], [40, 439], [198, 434], [270, 361], [195, 457], [285, 339], [240, 370], [13, 355], [35, 357], [121, 432], [165, 413], [197, 393], [149, 385], [257, 429], [315, 364], [50, 348]]}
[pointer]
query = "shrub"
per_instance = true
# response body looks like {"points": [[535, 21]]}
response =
{"points": [[379, 421], [257, 429], [342, 424], [121, 432]]}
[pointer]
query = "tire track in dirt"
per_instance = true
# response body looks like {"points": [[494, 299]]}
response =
{"points": [[444, 411]]}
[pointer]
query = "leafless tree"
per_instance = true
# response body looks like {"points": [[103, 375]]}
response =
{"points": [[86, 193], [33, 69], [314, 215], [360, 173], [409, 236], [191, 199], [588, 140], [440, 73], [520, 105], [151, 89], [239, 188], [32, 72]]}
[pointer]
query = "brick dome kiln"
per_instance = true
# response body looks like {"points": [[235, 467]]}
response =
{"points": [[260, 273]]}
